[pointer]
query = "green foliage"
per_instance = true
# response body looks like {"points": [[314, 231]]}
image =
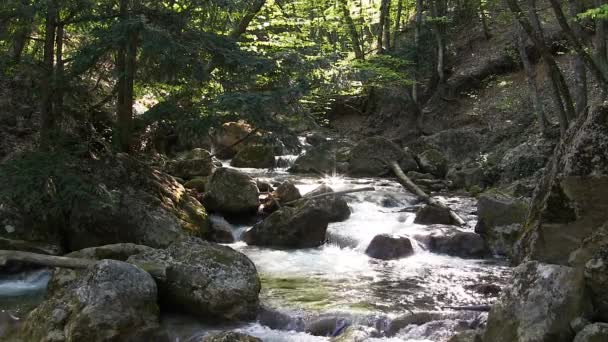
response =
{"points": [[595, 13]]}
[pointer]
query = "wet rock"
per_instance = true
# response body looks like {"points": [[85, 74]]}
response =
{"points": [[500, 219], [198, 184], [255, 156], [194, 163], [205, 279], [488, 290], [431, 214], [467, 336], [334, 208], [370, 156], [326, 158], [315, 139], [230, 336], [539, 305], [388, 247], [301, 227], [571, 201], [221, 230], [432, 161], [416, 318], [460, 244], [596, 277], [287, 192], [355, 333], [264, 186], [111, 301], [597, 332], [231, 192]]}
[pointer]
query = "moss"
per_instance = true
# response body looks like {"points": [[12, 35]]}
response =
{"points": [[309, 293], [198, 183]]}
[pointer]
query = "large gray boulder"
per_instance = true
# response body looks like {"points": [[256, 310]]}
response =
{"points": [[231, 192], [287, 192], [301, 227], [432, 214], [111, 301], [195, 163], [388, 247], [434, 162], [450, 240], [571, 201], [205, 279], [539, 305], [334, 208], [500, 218], [597, 332], [254, 156], [371, 155]]}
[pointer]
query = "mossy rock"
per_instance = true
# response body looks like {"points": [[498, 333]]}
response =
{"points": [[198, 183], [254, 156]]}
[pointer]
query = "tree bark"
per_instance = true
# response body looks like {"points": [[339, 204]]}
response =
{"points": [[393, 44], [59, 72], [352, 29], [580, 72], [531, 78], [417, 33], [126, 65], [384, 4], [484, 20], [387, 26], [601, 51], [422, 196], [46, 82]]}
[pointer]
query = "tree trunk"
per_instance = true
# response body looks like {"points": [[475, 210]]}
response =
{"points": [[438, 12], [601, 51], [417, 33], [352, 30], [531, 78], [46, 82], [125, 65], [484, 20], [21, 36], [387, 26], [59, 73], [384, 5], [393, 44], [600, 75], [580, 72]]}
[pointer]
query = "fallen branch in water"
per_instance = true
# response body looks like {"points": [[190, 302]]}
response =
{"points": [[335, 193], [155, 270], [423, 196], [483, 308]]}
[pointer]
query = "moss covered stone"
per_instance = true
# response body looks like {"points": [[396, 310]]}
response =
{"points": [[254, 156]]}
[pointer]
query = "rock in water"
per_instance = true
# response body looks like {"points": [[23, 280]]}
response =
{"points": [[230, 336], [195, 163], [432, 161], [254, 156], [301, 227], [597, 332], [328, 157], [431, 214], [334, 208], [371, 155], [460, 244], [111, 301], [287, 192], [387, 247], [539, 305], [231, 192], [571, 201], [206, 279]]}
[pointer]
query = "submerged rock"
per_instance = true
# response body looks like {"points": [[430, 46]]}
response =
{"points": [[500, 219], [230, 336], [111, 301], [254, 156], [371, 155], [597, 332], [231, 192], [205, 279], [301, 227], [539, 305], [431, 214], [387, 247]]}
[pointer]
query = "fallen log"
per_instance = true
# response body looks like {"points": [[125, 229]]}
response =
{"points": [[156, 271], [335, 193], [422, 196]]}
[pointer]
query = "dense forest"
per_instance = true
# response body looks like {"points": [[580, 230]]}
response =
{"points": [[304, 170]]}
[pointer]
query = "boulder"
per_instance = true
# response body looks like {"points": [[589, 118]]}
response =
{"points": [[205, 279], [500, 219], [221, 230], [301, 227], [468, 177], [225, 138], [198, 184], [334, 208], [118, 251], [287, 192], [524, 160], [354, 333], [232, 193], [388, 247], [230, 336], [460, 244], [370, 156], [328, 157], [571, 200], [597, 332], [194, 163], [539, 305], [110, 301], [466, 336], [456, 144], [254, 156], [596, 277], [431, 214], [432, 161]]}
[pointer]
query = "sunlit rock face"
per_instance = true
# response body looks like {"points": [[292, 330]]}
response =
{"points": [[571, 202], [539, 305], [231, 192]]}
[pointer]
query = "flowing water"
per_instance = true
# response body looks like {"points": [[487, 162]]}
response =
{"points": [[318, 290]]}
